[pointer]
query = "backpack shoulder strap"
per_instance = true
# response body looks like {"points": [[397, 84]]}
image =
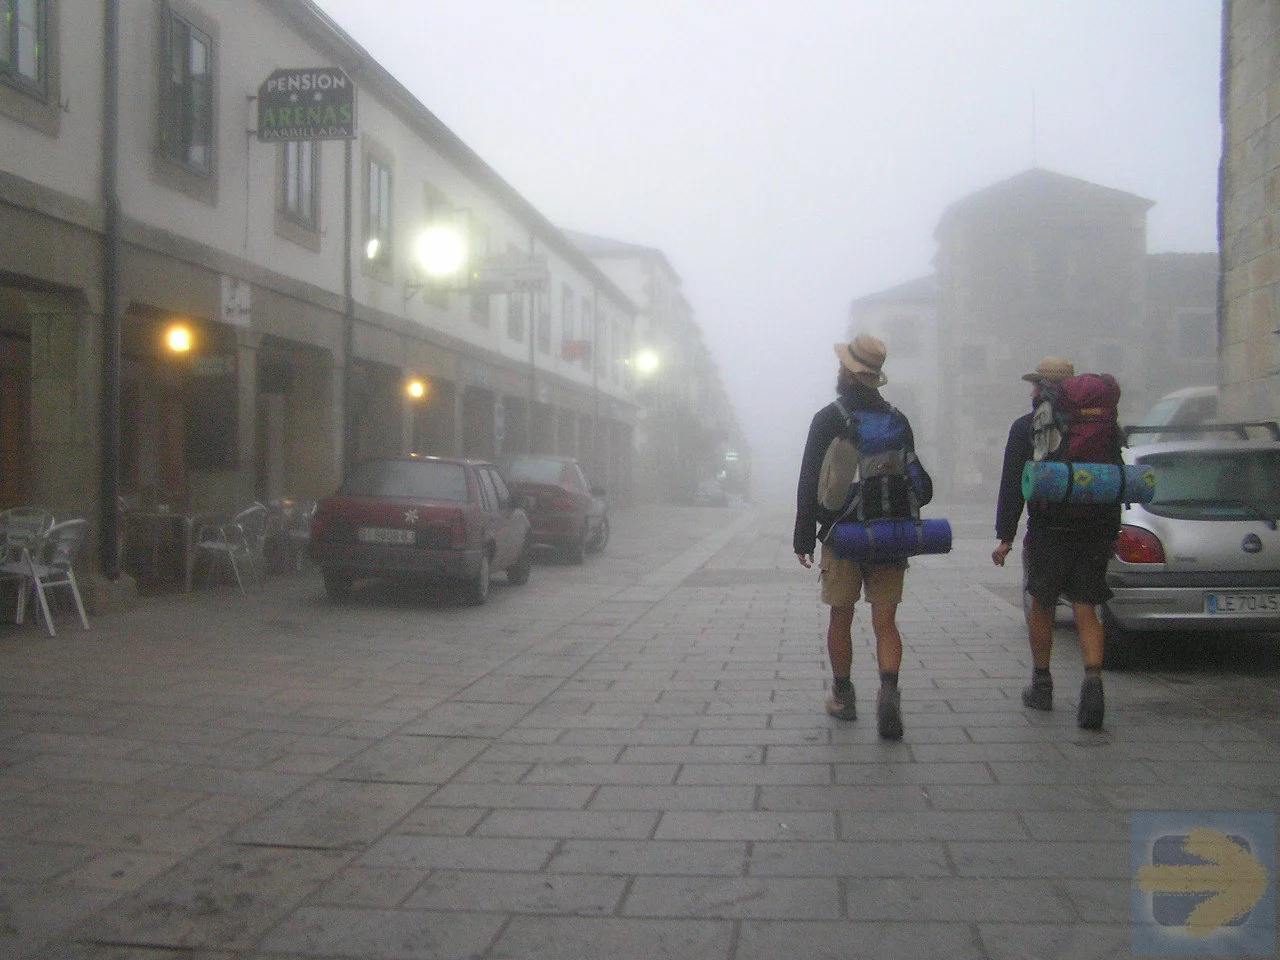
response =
{"points": [[844, 411]]}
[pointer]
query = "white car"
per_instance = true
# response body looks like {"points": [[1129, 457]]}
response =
{"points": [[1205, 554]]}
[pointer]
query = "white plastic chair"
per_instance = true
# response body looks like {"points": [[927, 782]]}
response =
{"points": [[238, 543], [47, 563], [19, 528]]}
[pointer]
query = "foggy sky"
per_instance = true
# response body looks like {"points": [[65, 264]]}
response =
{"points": [[790, 156]]}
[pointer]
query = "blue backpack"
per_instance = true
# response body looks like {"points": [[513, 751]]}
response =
{"points": [[891, 482]]}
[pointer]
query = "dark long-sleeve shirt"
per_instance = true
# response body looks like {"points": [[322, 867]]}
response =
{"points": [[812, 521], [1100, 521]]}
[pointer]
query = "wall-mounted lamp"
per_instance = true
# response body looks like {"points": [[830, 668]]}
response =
{"points": [[178, 338], [416, 388], [647, 362], [440, 253]]}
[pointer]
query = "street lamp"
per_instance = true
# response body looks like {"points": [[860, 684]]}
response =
{"points": [[647, 362], [178, 338], [416, 388], [440, 253]]}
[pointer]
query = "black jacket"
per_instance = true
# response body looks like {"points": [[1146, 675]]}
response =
{"points": [[1101, 522], [812, 521]]}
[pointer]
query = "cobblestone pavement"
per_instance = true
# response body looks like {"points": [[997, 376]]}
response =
{"points": [[625, 760]]}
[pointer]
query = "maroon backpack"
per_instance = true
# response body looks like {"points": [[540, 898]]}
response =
{"points": [[1086, 409]]}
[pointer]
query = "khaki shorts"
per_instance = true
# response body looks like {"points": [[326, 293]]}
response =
{"points": [[843, 580]]}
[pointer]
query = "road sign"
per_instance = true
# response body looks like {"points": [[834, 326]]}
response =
{"points": [[309, 103]]}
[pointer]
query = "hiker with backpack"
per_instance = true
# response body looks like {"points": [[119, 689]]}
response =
{"points": [[1067, 545], [859, 462]]}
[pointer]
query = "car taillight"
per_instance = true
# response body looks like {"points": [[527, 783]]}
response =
{"points": [[1136, 545], [458, 530], [562, 503]]}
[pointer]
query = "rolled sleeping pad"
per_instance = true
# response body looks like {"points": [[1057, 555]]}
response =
{"points": [[879, 540], [1054, 481]]}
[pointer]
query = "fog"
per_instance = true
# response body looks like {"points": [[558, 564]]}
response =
{"points": [[791, 157]]}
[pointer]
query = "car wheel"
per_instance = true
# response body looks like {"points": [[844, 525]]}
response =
{"points": [[518, 572], [601, 537], [337, 585], [478, 586], [1118, 648], [576, 552]]}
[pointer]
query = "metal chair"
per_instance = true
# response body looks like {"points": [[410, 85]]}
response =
{"points": [[239, 542], [289, 530], [47, 563]]}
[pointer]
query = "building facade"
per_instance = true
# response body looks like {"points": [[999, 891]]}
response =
{"points": [[138, 206], [1249, 210], [1039, 264], [905, 317], [686, 430]]}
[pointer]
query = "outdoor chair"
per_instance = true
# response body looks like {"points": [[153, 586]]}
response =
{"points": [[238, 543], [47, 563], [19, 527], [289, 530]]}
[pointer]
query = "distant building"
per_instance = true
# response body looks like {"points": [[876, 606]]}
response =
{"points": [[1041, 264], [1249, 210], [686, 430], [905, 317]]}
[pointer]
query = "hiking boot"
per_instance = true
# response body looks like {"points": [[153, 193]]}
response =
{"points": [[1092, 705], [1038, 695], [889, 713], [842, 705]]}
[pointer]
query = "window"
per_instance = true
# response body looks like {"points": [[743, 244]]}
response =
{"points": [[1197, 337], [903, 336], [480, 310], [23, 44], [377, 224], [186, 96], [515, 316], [542, 311], [300, 182], [567, 327], [973, 359]]}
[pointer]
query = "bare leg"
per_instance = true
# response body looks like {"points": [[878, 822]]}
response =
{"points": [[888, 640], [1040, 633], [1092, 634], [840, 641]]}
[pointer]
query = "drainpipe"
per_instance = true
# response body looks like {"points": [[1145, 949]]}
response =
{"points": [[349, 313], [109, 540]]}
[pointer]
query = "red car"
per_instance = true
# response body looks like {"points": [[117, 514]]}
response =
{"points": [[566, 512], [433, 518]]}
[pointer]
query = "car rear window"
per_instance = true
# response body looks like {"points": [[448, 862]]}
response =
{"points": [[1216, 483], [535, 471], [421, 480]]}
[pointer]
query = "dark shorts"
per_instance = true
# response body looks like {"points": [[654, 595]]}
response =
{"points": [[1065, 565]]}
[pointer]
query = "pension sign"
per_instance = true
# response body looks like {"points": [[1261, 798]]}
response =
{"points": [[312, 103]]}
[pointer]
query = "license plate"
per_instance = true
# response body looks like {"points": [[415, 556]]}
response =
{"points": [[384, 535], [1242, 604]]}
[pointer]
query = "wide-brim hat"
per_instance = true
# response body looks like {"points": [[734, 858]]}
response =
{"points": [[1051, 370], [864, 355]]}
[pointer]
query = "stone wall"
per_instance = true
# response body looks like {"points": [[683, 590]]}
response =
{"points": [[1250, 209]]}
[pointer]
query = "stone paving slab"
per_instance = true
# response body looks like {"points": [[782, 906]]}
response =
{"points": [[627, 759]]}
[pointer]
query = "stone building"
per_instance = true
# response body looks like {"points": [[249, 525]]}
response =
{"points": [[1041, 264], [134, 206], [1249, 210]]}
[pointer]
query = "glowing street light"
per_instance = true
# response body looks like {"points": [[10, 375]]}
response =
{"points": [[178, 338], [440, 251], [416, 388], [372, 247], [647, 362]]}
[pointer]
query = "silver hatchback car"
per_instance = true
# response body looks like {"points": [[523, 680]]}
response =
{"points": [[1205, 554]]}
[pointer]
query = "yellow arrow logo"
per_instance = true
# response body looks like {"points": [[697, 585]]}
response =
{"points": [[1231, 875]]}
